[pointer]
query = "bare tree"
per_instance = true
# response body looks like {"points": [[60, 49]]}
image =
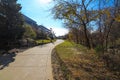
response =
{"points": [[75, 12]]}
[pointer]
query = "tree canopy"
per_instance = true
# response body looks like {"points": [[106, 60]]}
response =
{"points": [[11, 21], [29, 32], [85, 17]]}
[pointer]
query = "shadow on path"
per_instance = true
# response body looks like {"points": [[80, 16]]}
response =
{"points": [[6, 59]]}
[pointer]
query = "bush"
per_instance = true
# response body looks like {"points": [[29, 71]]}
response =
{"points": [[112, 61], [99, 48], [29, 32]]}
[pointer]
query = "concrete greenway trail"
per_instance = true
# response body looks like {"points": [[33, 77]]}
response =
{"points": [[32, 64]]}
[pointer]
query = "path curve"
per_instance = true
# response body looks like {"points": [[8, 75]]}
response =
{"points": [[32, 64]]}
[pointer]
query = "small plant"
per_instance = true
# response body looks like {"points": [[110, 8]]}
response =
{"points": [[99, 48]]}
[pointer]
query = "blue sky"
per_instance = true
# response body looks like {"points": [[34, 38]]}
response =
{"points": [[39, 10]]}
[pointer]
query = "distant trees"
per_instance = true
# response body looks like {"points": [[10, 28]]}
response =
{"points": [[90, 22], [11, 22], [107, 18]]}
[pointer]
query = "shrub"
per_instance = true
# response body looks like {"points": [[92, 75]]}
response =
{"points": [[99, 48]]}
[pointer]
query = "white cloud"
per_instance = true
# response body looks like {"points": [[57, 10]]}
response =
{"points": [[44, 1], [60, 31]]}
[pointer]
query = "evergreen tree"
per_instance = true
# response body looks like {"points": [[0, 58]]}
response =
{"points": [[11, 22]]}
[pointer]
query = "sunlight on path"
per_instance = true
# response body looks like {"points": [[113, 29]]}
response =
{"points": [[32, 64]]}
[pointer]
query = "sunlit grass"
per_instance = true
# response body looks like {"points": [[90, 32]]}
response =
{"points": [[83, 63], [64, 50], [45, 41], [67, 50]]}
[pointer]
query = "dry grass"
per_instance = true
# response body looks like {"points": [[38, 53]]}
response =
{"points": [[84, 64]]}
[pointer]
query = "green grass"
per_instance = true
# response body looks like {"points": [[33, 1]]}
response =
{"points": [[64, 50], [83, 66], [67, 50], [45, 41]]}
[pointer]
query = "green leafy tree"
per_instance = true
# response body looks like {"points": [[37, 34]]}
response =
{"points": [[29, 32]]}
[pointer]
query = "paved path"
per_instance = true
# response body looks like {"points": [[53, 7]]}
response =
{"points": [[32, 64]]}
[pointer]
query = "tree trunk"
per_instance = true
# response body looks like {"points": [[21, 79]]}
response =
{"points": [[87, 39], [107, 35]]}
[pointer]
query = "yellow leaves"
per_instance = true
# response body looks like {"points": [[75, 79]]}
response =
{"points": [[118, 18], [104, 12], [107, 13], [84, 17]]}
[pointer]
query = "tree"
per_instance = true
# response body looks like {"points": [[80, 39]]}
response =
{"points": [[75, 12], [11, 22], [41, 34], [29, 32], [107, 15]]}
